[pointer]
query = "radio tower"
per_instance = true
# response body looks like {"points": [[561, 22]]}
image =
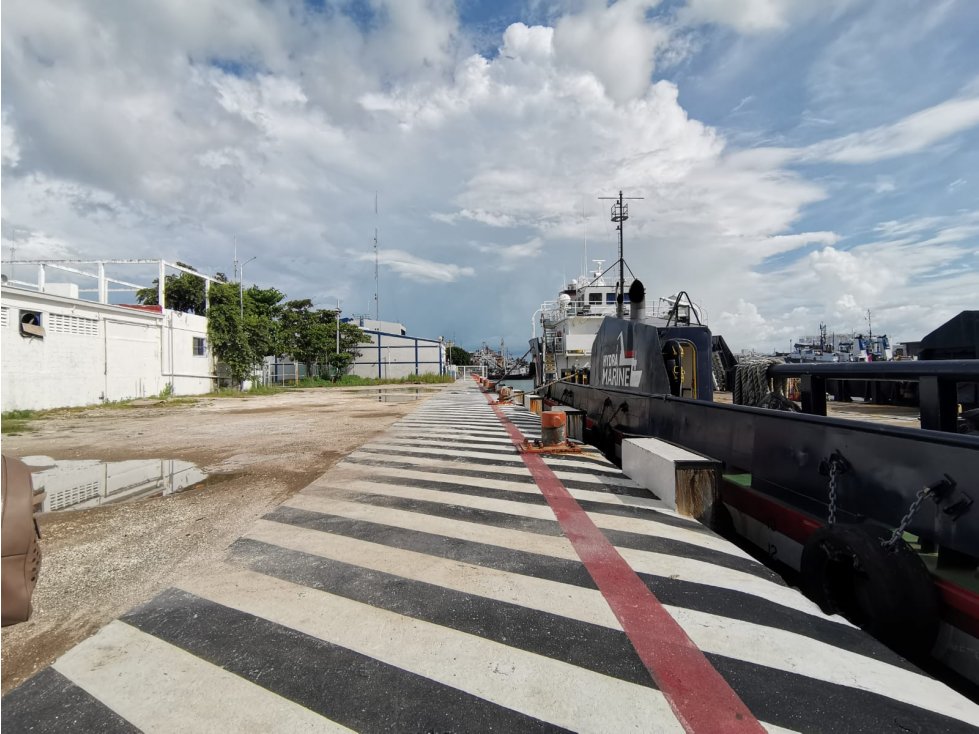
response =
{"points": [[377, 303], [620, 213]]}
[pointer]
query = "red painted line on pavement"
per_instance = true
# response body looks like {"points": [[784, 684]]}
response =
{"points": [[702, 700]]}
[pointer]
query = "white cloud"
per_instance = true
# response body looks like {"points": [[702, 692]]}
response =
{"points": [[884, 185], [613, 43], [911, 134], [416, 268], [507, 257], [892, 278], [757, 250], [759, 16], [11, 151], [172, 130]]}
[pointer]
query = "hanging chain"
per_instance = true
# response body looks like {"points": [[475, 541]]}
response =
{"points": [[833, 471], [906, 520]]}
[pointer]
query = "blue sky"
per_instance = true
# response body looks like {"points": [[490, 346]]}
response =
{"points": [[800, 162]]}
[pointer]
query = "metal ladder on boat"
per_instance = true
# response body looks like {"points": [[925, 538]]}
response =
{"points": [[550, 368]]}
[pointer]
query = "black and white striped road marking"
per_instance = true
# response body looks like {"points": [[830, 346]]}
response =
{"points": [[422, 586]]}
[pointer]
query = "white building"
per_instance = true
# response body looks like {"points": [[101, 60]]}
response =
{"points": [[389, 352], [60, 351]]}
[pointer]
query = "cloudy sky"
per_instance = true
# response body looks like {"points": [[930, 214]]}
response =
{"points": [[800, 161]]}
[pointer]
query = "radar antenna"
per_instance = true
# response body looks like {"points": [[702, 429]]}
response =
{"points": [[620, 213]]}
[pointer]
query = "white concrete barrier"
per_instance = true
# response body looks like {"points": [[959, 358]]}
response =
{"points": [[686, 481]]}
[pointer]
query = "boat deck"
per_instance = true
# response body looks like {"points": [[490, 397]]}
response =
{"points": [[436, 580]]}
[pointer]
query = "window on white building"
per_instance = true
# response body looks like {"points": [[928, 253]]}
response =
{"points": [[200, 346]]}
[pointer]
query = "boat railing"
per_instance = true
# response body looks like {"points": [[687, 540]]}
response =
{"points": [[553, 311], [937, 381]]}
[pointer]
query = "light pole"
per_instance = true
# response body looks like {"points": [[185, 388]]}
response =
{"points": [[336, 358], [241, 287]]}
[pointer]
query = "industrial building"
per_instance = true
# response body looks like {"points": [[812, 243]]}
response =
{"points": [[388, 352], [60, 350]]}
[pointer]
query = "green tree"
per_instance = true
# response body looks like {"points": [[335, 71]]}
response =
{"points": [[263, 316], [183, 292], [458, 355], [350, 337], [309, 336], [227, 334]]}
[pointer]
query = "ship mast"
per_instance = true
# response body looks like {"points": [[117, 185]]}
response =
{"points": [[620, 213]]}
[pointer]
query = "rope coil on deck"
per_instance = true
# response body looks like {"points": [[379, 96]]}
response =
{"points": [[752, 385]]}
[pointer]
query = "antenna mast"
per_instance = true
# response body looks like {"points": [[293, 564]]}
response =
{"points": [[620, 213]]}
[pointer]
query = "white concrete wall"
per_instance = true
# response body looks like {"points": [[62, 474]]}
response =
{"points": [[388, 327], [391, 356], [94, 352], [190, 374]]}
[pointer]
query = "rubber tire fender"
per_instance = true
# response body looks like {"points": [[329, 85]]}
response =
{"points": [[888, 592]]}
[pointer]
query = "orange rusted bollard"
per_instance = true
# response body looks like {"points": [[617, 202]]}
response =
{"points": [[552, 425]]}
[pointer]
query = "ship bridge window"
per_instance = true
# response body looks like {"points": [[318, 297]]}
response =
{"points": [[595, 298], [610, 298]]}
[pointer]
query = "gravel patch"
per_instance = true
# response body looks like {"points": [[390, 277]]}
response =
{"points": [[259, 451]]}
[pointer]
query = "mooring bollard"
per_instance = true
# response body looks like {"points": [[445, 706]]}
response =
{"points": [[505, 392], [552, 424]]}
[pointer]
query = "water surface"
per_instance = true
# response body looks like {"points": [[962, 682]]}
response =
{"points": [[85, 483]]}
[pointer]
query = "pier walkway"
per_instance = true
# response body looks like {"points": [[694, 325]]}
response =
{"points": [[436, 580]]}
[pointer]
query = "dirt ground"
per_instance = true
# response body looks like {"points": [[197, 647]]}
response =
{"points": [[258, 451]]}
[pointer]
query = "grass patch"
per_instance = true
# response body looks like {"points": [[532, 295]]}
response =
{"points": [[16, 421], [233, 392], [180, 401], [357, 381], [18, 414], [115, 404], [345, 381]]}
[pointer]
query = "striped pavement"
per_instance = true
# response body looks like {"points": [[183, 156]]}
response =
{"points": [[436, 581]]}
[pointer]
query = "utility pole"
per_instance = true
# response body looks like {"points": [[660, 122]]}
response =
{"points": [[620, 213], [336, 366], [241, 287]]}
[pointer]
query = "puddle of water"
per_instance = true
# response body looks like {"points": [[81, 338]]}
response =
{"points": [[81, 484], [392, 394], [403, 396]]}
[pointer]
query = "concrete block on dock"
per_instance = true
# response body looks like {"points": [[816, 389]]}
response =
{"points": [[576, 422], [535, 403], [682, 479], [518, 397]]}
